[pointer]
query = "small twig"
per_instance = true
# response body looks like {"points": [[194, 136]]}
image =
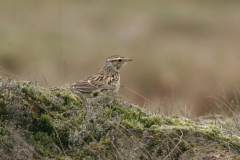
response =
{"points": [[175, 146], [117, 150], [147, 153], [140, 95], [59, 140], [45, 80], [23, 141], [221, 102], [7, 72], [53, 127]]}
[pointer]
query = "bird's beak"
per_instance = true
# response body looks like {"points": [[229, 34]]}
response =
{"points": [[128, 59]]}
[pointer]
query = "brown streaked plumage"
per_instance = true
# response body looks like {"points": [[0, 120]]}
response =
{"points": [[107, 79]]}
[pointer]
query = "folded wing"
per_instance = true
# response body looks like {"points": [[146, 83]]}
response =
{"points": [[88, 86]]}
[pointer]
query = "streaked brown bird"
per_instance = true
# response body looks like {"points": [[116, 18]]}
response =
{"points": [[107, 79]]}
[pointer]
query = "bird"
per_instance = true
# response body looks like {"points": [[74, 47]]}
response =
{"points": [[106, 80]]}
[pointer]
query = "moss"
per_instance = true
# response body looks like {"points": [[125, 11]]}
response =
{"points": [[108, 112], [2, 101], [88, 158], [132, 123], [3, 138], [60, 125], [25, 90], [2, 110], [95, 94], [46, 145], [119, 109], [106, 142]]}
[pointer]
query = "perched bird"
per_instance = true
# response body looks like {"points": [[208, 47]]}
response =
{"points": [[107, 79]]}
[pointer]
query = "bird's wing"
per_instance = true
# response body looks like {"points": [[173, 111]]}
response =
{"points": [[88, 86], [83, 86]]}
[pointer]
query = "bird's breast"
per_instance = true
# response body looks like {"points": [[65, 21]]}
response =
{"points": [[113, 80]]}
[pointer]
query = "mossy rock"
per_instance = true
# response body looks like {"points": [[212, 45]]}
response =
{"points": [[55, 123]]}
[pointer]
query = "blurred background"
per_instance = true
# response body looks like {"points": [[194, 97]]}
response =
{"points": [[183, 51]]}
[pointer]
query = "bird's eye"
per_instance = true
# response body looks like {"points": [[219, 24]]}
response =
{"points": [[119, 60]]}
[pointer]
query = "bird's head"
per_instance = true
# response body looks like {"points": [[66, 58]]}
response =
{"points": [[116, 62]]}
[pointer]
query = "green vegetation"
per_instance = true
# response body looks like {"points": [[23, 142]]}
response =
{"points": [[55, 123]]}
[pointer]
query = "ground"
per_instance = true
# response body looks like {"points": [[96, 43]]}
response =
{"points": [[56, 123]]}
